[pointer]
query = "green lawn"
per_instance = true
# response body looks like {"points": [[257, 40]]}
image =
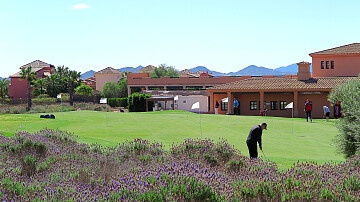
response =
{"points": [[285, 142]]}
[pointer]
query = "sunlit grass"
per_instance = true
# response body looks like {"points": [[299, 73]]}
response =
{"points": [[286, 141]]}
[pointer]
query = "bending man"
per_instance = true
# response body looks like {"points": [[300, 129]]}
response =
{"points": [[254, 138]]}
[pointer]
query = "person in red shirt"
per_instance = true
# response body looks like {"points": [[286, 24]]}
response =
{"points": [[308, 109], [337, 110]]}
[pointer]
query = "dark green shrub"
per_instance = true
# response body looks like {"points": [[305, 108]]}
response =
{"points": [[235, 165], [46, 164], [137, 102], [213, 161], [224, 150], [43, 100], [13, 187], [118, 102], [327, 194], [29, 165], [352, 183]]}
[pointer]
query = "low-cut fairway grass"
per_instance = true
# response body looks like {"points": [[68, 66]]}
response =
{"points": [[287, 140]]}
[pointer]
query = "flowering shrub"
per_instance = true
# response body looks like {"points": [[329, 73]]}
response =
{"points": [[49, 165]]}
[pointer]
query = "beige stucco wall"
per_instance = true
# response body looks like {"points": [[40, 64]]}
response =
{"points": [[102, 79]]}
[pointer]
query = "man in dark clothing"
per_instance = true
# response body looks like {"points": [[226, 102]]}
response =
{"points": [[254, 138]]}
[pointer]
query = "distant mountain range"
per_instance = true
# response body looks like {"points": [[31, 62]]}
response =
{"points": [[251, 70], [87, 74]]}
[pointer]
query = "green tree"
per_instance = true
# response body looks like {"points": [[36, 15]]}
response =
{"points": [[28, 75], [53, 85], [348, 139], [39, 86], [111, 90], [137, 102], [164, 70], [72, 78], [123, 87], [84, 90], [62, 83], [4, 87]]}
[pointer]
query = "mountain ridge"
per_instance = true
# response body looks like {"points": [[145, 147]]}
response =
{"points": [[251, 70]]}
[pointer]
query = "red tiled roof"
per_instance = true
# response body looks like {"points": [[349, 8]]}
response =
{"points": [[108, 70], [353, 48], [283, 83], [37, 64]]}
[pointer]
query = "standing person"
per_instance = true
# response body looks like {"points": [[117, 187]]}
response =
{"points": [[337, 110], [326, 112], [308, 109], [236, 107], [254, 138], [217, 107]]}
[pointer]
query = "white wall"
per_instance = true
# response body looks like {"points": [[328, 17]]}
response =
{"points": [[186, 102]]}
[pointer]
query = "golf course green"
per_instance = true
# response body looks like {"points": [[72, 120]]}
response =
{"points": [[287, 140]]}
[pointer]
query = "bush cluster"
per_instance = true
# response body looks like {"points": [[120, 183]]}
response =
{"points": [[118, 102], [50, 165], [51, 108]]}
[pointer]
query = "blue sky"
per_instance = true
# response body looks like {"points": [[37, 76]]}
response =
{"points": [[224, 36]]}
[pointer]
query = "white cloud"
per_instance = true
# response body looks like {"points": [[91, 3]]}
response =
{"points": [[80, 6]]}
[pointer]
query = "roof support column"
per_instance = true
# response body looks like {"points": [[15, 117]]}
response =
{"points": [[261, 100], [129, 90], [230, 103], [212, 103], [295, 104]]}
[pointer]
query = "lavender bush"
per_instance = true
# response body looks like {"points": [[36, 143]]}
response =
{"points": [[50, 165]]}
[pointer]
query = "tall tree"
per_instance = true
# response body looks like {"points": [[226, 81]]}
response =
{"points": [[73, 80], [39, 86], [84, 90], [164, 70], [4, 87], [62, 72], [111, 90], [348, 139], [123, 87], [53, 87], [28, 75]]}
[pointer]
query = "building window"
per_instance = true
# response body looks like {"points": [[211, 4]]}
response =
{"points": [[224, 106], [253, 105], [273, 105], [184, 101], [282, 105], [332, 65], [322, 64], [327, 64]]}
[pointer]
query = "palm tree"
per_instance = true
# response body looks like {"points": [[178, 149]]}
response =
{"points": [[27, 74], [73, 79], [40, 86], [4, 87], [53, 86], [62, 71]]}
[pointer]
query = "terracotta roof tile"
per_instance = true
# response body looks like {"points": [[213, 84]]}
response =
{"points": [[108, 70], [37, 64], [353, 48], [283, 83]]}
